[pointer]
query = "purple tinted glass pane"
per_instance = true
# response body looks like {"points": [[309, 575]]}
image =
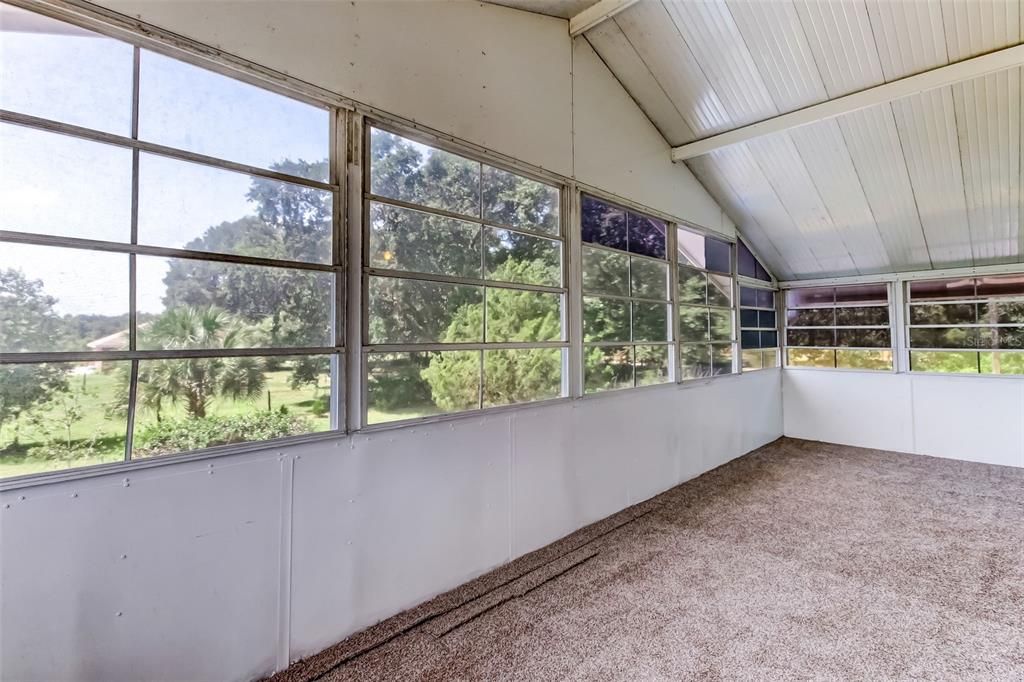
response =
{"points": [[1004, 285], [750, 339], [811, 337], [717, 255], [769, 339], [748, 318], [811, 297], [765, 298], [766, 318], [646, 235], [762, 274], [862, 293], [748, 297], [942, 289], [746, 264], [603, 224]]}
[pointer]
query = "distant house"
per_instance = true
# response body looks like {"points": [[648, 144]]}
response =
{"points": [[115, 341]]}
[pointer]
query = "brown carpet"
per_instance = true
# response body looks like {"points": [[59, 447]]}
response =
{"points": [[799, 560]]}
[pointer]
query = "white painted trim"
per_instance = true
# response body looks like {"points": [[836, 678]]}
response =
{"points": [[1000, 60], [595, 14], [976, 270]]}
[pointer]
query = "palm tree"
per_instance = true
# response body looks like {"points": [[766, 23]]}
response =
{"points": [[197, 381]]}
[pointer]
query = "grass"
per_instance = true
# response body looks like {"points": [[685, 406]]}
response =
{"points": [[89, 398]]}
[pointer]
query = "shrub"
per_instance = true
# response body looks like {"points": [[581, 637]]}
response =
{"points": [[181, 435]]}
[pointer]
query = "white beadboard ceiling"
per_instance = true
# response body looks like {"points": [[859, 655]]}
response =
{"points": [[928, 181]]}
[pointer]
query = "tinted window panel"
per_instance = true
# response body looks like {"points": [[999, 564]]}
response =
{"points": [[1001, 285], [417, 311], [602, 223], [746, 264], [605, 272], [403, 239], [750, 339], [748, 318], [1010, 337], [607, 368], [811, 317], [61, 185], [766, 318], [516, 201], [942, 289], [763, 275], [58, 71], [1001, 312], [717, 255], [748, 297], [646, 235], [184, 106], [409, 171], [809, 298], [810, 337], [862, 293], [950, 313], [765, 298], [769, 339], [868, 316], [863, 338], [950, 337], [515, 257]]}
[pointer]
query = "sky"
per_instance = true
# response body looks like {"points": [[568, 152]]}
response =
{"points": [[57, 184]]}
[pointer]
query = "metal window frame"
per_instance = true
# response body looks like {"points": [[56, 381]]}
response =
{"points": [[367, 125], [132, 248]]}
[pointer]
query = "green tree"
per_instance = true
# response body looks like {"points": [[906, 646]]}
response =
{"points": [[197, 381], [29, 323]]}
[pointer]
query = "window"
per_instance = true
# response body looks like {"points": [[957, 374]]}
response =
{"points": [[747, 264], [969, 325], [167, 270], [626, 300], [759, 335], [707, 311], [465, 283], [844, 327]]}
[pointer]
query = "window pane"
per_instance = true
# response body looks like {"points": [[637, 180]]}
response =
{"points": [[1002, 363], [939, 361], [950, 313], [811, 297], [752, 359], [515, 315], [721, 325], [417, 311], [62, 415], [64, 73], [719, 291], [721, 359], [947, 337], [693, 324], [402, 239], [194, 403], [409, 171], [522, 376], [62, 185], [649, 278], [863, 338], [646, 235], [201, 208], [605, 319], [650, 321], [515, 257], [186, 303], [1001, 285], [810, 337], [769, 339], [695, 361], [1001, 312], [864, 359], [762, 274], [1010, 337], [59, 299], [770, 358], [851, 317], [652, 364], [516, 201], [410, 385], [717, 255], [184, 106], [766, 318], [607, 368], [811, 317], [765, 298], [748, 297], [811, 357], [693, 286], [942, 289], [862, 293], [746, 264], [750, 339], [748, 318], [690, 246], [605, 272], [602, 223]]}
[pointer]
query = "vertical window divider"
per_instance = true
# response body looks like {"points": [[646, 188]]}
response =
{"points": [[483, 277], [337, 165], [357, 298], [573, 239], [133, 317], [897, 313], [673, 298]]}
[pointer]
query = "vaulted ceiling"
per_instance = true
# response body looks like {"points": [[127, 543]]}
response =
{"points": [[926, 181]]}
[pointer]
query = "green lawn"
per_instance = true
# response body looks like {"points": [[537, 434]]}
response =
{"points": [[90, 396]]}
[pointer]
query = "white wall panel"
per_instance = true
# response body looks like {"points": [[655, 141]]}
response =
{"points": [[618, 149], [340, 533], [971, 418]]}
